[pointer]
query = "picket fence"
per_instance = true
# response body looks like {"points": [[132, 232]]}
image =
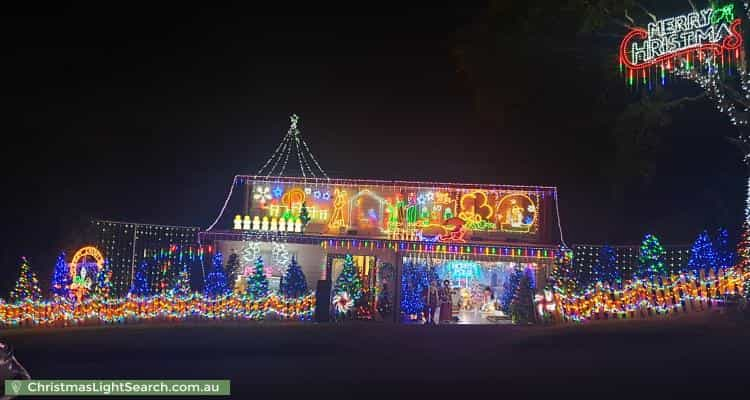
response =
{"points": [[653, 298]]}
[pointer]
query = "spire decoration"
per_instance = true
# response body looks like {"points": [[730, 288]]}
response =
{"points": [[276, 164]]}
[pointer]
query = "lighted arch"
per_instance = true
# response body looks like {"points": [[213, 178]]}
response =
{"points": [[81, 254]]}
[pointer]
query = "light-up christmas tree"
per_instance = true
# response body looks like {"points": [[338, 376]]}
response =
{"points": [[232, 268], [103, 287], [414, 281], [743, 248], [61, 280], [181, 286], [510, 286], [522, 304], [216, 282], [27, 285], [140, 286], [294, 283], [605, 269], [304, 215], [702, 254], [348, 281], [257, 283], [563, 277], [651, 258], [725, 257]]}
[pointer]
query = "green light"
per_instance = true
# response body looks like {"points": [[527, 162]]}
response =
{"points": [[723, 13]]}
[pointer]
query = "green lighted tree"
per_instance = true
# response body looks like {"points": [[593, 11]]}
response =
{"points": [[651, 258], [304, 215], [743, 248], [563, 277], [27, 285], [103, 281], [257, 283], [348, 281]]}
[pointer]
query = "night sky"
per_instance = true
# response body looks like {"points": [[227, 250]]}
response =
{"points": [[146, 115]]}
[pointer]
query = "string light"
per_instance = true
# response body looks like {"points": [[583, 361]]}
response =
{"points": [[660, 295], [160, 307], [280, 156]]}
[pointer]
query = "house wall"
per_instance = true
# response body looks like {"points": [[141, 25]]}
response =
{"points": [[311, 258]]}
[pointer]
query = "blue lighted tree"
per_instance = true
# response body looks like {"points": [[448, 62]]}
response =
{"points": [[605, 269], [510, 286], [61, 279], [702, 254], [414, 281], [725, 256], [651, 257], [216, 280], [294, 283], [521, 305], [140, 286]]}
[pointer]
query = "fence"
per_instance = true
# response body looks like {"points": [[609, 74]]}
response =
{"points": [[161, 308], [646, 298]]}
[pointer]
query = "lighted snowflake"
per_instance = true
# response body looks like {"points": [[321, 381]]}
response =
{"points": [[249, 255], [326, 195], [277, 192], [280, 255], [262, 194], [342, 302], [422, 198], [317, 194], [430, 196]]}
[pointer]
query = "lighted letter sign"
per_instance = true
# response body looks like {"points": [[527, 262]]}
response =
{"points": [[699, 33]]}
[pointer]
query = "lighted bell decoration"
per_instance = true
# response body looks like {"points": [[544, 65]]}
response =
{"points": [[282, 224], [264, 224], [256, 223], [298, 225], [246, 223], [237, 221], [274, 225]]}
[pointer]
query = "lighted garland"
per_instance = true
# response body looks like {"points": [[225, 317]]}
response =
{"points": [[661, 296], [161, 307]]}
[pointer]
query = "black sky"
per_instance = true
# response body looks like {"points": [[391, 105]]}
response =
{"points": [[146, 115]]}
